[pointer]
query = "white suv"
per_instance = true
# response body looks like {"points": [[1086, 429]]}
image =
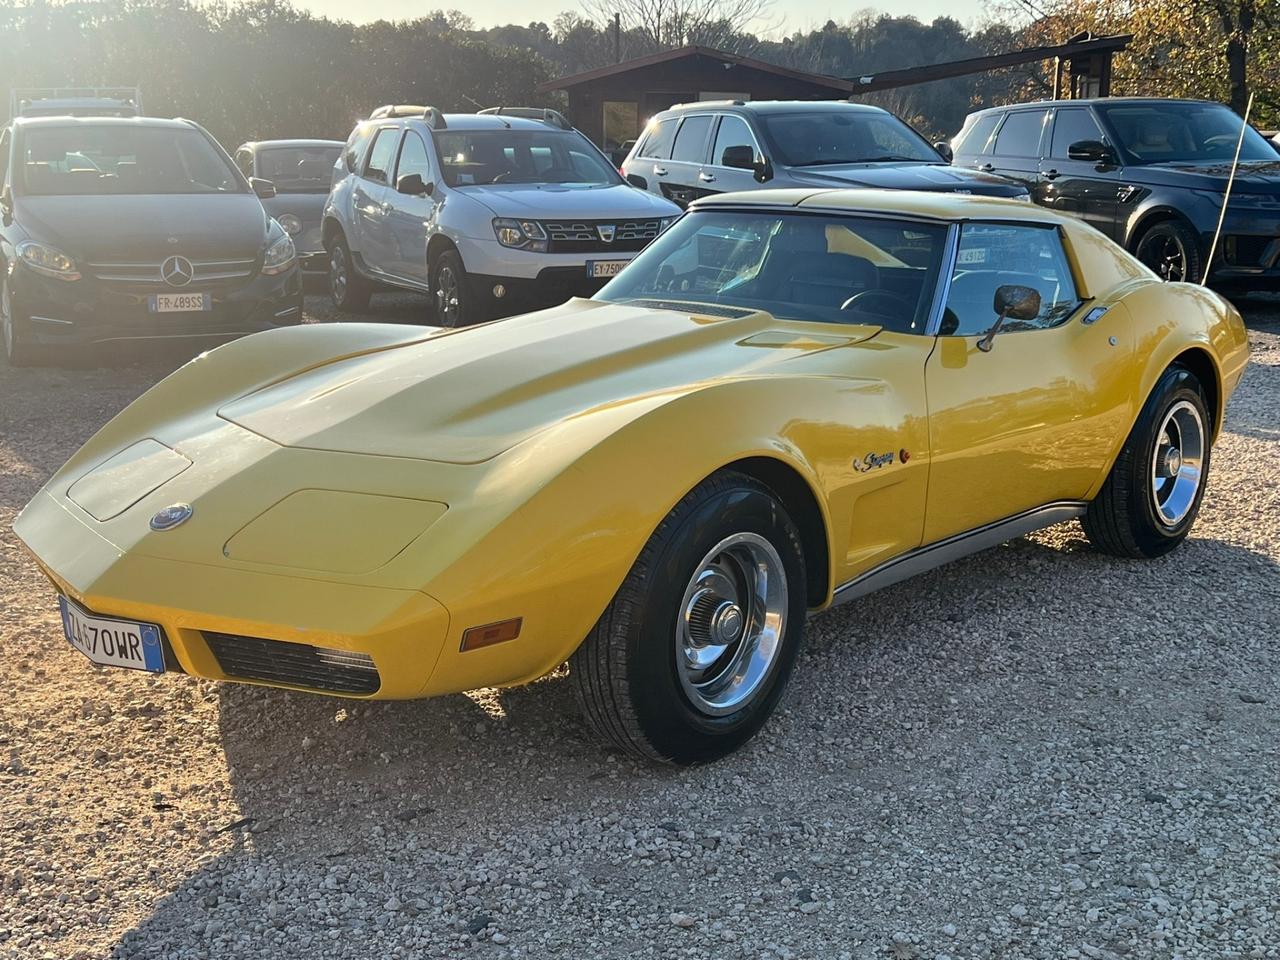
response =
{"points": [[490, 213]]}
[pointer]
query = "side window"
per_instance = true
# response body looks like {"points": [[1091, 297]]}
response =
{"points": [[1072, 126], [974, 141], [691, 140], [384, 148], [733, 132], [244, 160], [1020, 134], [356, 143], [5, 140], [413, 158], [657, 142], [993, 255]]}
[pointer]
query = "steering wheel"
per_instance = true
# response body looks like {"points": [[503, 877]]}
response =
{"points": [[879, 303], [1223, 141]]}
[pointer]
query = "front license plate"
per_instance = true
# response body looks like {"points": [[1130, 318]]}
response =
{"points": [[605, 268], [109, 642], [180, 302]]}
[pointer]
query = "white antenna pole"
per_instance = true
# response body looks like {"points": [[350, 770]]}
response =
{"points": [[1226, 197]]}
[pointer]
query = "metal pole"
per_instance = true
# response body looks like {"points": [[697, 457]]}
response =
{"points": [[1226, 197]]}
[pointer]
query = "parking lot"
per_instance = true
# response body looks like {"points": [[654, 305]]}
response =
{"points": [[1037, 752]]}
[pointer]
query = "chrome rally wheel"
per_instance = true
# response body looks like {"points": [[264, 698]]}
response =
{"points": [[1177, 464], [733, 615]]}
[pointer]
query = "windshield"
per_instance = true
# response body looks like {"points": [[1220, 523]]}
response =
{"points": [[89, 160], [472, 157], [1182, 132], [298, 169], [837, 269], [811, 139]]}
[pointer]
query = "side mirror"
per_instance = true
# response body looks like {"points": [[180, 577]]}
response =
{"points": [[264, 189], [1091, 151], [637, 181], [411, 184], [1012, 300], [741, 157], [944, 150]]}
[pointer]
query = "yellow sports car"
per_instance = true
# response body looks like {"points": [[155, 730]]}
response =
{"points": [[789, 399]]}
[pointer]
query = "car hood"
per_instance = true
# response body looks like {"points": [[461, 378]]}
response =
{"points": [[142, 228], [469, 395], [913, 176], [553, 201], [1255, 176]]}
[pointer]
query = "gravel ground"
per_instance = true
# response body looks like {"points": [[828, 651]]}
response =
{"points": [[1038, 752]]}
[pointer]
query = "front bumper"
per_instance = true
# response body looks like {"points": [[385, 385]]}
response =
{"points": [[550, 288], [87, 311]]}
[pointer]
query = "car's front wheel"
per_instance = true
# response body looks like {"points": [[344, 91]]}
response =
{"points": [[695, 650], [349, 291], [1151, 498], [454, 304], [1172, 252]]}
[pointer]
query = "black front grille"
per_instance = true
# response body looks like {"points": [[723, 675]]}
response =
{"points": [[586, 236], [1246, 251], [300, 664]]}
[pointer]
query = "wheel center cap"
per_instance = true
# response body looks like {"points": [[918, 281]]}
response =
{"points": [[726, 624], [1172, 462]]}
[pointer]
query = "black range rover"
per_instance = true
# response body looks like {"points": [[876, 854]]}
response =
{"points": [[1149, 173], [133, 228]]}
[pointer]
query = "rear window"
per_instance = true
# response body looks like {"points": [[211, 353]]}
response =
{"points": [[1020, 134], [973, 140], [657, 141], [298, 169]]}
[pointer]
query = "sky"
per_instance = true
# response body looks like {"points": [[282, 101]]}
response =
{"points": [[796, 14]]}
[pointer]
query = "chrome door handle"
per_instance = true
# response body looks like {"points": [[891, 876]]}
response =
{"points": [[1051, 174], [659, 171], [706, 177], [986, 167]]}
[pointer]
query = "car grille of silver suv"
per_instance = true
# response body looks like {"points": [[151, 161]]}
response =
{"points": [[147, 274], [599, 236]]}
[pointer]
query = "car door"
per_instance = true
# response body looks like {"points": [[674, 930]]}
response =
{"points": [[1085, 188], [410, 217], [718, 177], [1015, 152], [648, 167], [683, 182], [1032, 421], [370, 202]]}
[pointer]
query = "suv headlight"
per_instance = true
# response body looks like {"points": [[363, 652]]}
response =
{"points": [[48, 260], [520, 234], [280, 256]]}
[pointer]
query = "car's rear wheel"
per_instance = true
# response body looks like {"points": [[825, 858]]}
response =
{"points": [[15, 334], [693, 654], [1151, 498], [1172, 252], [349, 291], [454, 304]]}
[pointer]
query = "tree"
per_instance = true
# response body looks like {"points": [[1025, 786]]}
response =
{"points": [[662, 24]]}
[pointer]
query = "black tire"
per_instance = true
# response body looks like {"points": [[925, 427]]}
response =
{"points": [[1172, 250], [349, 291], [15, 332], [451, 295], [1125, 519], [626, 673]]}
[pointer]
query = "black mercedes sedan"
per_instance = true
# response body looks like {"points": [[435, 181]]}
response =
{"points": [[125, 229], [1149, 173]]}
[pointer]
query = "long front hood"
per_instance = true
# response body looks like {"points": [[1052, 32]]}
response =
{"points": [[919, 176], [140, 228], [467, 396]]}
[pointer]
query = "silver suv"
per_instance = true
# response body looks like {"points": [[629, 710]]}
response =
{"points": [[698, 149], [490, 213]]}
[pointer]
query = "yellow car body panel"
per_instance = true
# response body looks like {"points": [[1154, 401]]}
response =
{"points": [[439, 480]]}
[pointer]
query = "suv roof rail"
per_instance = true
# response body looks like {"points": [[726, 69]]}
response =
{"points": [[708, 103], [545, 114], [396, 111], [51, 101]]}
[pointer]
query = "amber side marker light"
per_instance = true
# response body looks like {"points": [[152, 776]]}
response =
{"points": [[476, 637]]}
